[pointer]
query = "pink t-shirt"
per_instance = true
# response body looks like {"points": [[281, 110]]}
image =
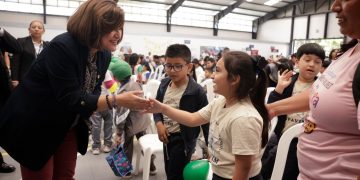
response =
{"points": [[332, 149]]}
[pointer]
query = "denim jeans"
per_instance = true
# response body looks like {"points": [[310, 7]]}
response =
{"points": [[97, 119]]}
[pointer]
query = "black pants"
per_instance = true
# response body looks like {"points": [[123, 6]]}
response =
{"points": [[216, 177], [175, 157], [1, 159], [291, 170]]}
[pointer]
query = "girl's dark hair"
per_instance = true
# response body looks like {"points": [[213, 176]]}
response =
{"points": [[93, 19], [192, 73], [330, 54], [240, 63]]}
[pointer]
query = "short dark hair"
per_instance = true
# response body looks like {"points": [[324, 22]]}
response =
{"points": [[284, 64], [179, 50], [133, 59], [93, 19], [195, 61], [326, 64], [311, 48]]}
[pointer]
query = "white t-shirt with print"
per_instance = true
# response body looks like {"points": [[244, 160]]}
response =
{"points": [[233, 130], [295, 118], [172, 98]]}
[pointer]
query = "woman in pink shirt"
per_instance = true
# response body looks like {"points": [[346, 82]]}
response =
{"points": [[329, 146]]}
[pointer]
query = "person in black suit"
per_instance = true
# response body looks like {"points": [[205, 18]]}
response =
{"points": [[7, 44], [32, 46]]}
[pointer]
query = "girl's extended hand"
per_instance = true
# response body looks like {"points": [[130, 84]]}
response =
{"points": [[155, 106]]}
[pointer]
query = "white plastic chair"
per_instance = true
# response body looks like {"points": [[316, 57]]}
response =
{"points": [[158, 72], [268, 91], [149, 144], [283, 149], [209, 89], [151, 87]]}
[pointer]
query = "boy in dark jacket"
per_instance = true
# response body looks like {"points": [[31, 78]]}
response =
{"points": [[180, 91], [310, 58]]}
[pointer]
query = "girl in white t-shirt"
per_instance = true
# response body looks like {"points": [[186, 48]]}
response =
{"points": [[238, 120]]}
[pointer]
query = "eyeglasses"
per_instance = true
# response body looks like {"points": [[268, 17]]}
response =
{"points": [[175, 67]]}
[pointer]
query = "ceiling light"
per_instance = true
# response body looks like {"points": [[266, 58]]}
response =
{"points": [[271, 2]]}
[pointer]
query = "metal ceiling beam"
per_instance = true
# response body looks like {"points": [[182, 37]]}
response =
{"points": [[223, 13], [44, 11], [171, 11], [273, 14]]}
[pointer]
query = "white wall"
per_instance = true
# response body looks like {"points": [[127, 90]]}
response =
{"points": [[146, 37], [279, 29], [333, 27], [300, 24], [317, 26], [275, 30]]}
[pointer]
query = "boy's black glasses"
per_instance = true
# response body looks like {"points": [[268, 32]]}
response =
{"points": [[176, 67]]}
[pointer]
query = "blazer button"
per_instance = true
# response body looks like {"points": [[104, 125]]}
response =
{"points": [[82, 103]]}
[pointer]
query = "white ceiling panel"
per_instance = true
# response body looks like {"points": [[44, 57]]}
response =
{"points": [[144, 4], [219, 2], [257, 7], [249, 12], [202, 5]]}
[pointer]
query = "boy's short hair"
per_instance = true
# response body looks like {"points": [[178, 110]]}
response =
{"points": [[326, 64], [179, 50], [311, 48]]}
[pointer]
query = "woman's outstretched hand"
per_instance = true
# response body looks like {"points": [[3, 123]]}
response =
{"points": [[133, 100]]}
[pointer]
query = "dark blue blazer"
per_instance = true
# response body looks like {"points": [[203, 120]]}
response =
{"points": [[42, 109]]}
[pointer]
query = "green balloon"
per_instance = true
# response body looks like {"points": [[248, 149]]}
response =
{"points": [[196, 170]]}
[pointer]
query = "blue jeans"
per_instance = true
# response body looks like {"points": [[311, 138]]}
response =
{"points": [[96, 120]]}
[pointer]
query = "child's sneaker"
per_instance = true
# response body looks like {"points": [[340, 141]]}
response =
{"points": [[95, 151], [106, 149]]}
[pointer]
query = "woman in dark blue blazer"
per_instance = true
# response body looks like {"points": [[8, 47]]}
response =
{"points": [[45, 121]]}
